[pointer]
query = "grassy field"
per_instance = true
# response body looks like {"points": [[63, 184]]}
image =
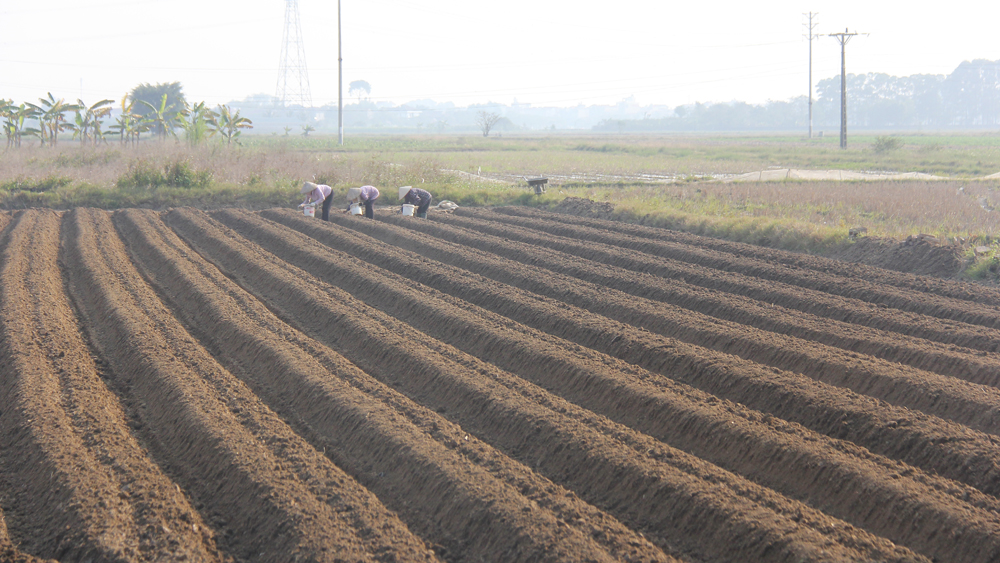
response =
{"points": [[676, 181]]}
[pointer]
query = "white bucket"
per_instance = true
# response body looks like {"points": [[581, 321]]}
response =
{"points": [[408, 210], [356, 209], [309, 211]]}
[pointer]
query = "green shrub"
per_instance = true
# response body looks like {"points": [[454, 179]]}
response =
{"points": [[178, 174], [48, 184], [884, 144]]}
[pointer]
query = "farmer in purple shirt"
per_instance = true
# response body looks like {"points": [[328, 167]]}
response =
{"points": [[416, 196], [316, 193], [366, 195]]}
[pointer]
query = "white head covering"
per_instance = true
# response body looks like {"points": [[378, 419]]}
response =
{"points": [[353, 193], [403, 191], [308, 187]]}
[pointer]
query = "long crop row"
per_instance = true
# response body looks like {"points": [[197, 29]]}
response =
{"points": [[497, 386]]}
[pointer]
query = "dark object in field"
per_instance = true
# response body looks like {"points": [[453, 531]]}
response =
{"points": [[538, 184]]}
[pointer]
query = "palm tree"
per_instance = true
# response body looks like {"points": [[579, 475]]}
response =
{"points": [[229, 124]]}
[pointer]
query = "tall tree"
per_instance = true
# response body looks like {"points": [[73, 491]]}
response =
{"points": [[973, 93], [486, 120], [359, 86], [150, 97]]}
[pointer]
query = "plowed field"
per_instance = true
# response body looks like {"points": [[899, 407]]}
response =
{"points": [[488, 385]]}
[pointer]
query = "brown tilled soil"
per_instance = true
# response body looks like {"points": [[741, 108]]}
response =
{"points": [[495, 385]]}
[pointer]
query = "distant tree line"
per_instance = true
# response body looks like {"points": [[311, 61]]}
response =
{"points": [[158, 109], [968, 98]]}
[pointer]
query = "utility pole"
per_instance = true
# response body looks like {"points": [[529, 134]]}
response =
{"points": [[843, 38], [809, 27], [340, 81]]}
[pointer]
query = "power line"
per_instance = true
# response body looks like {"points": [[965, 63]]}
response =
{"points": [[810, 26]]}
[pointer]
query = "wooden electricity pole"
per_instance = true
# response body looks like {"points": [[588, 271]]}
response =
{"points": [[810, 26], [340, 81], [843, 38]]}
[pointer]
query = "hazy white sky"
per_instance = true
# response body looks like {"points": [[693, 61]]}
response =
{"points": [[542, 52]]}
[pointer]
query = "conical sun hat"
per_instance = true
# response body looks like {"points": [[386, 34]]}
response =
{"points": [[308, 187], [353, 193], [403, 191]]}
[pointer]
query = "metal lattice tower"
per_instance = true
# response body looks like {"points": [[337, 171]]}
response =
{"points": [[293, 77]]}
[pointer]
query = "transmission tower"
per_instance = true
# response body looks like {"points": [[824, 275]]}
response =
{"points": [[293, 77]]}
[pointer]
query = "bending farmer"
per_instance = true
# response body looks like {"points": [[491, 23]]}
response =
{"points": [[366, 195], [316, 193], [416, 196]]}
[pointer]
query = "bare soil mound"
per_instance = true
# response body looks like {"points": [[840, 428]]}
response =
{"points": [[915, 255]]}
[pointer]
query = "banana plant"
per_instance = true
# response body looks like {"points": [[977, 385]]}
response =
{"points": [[164, 118], [129, 124], [16, 123], [89, 119], [7, 109], [197, 121], [51, 116], [228, 124]]}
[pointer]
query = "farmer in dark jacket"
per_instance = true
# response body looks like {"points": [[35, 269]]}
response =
{"points": [[418, 197]]}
